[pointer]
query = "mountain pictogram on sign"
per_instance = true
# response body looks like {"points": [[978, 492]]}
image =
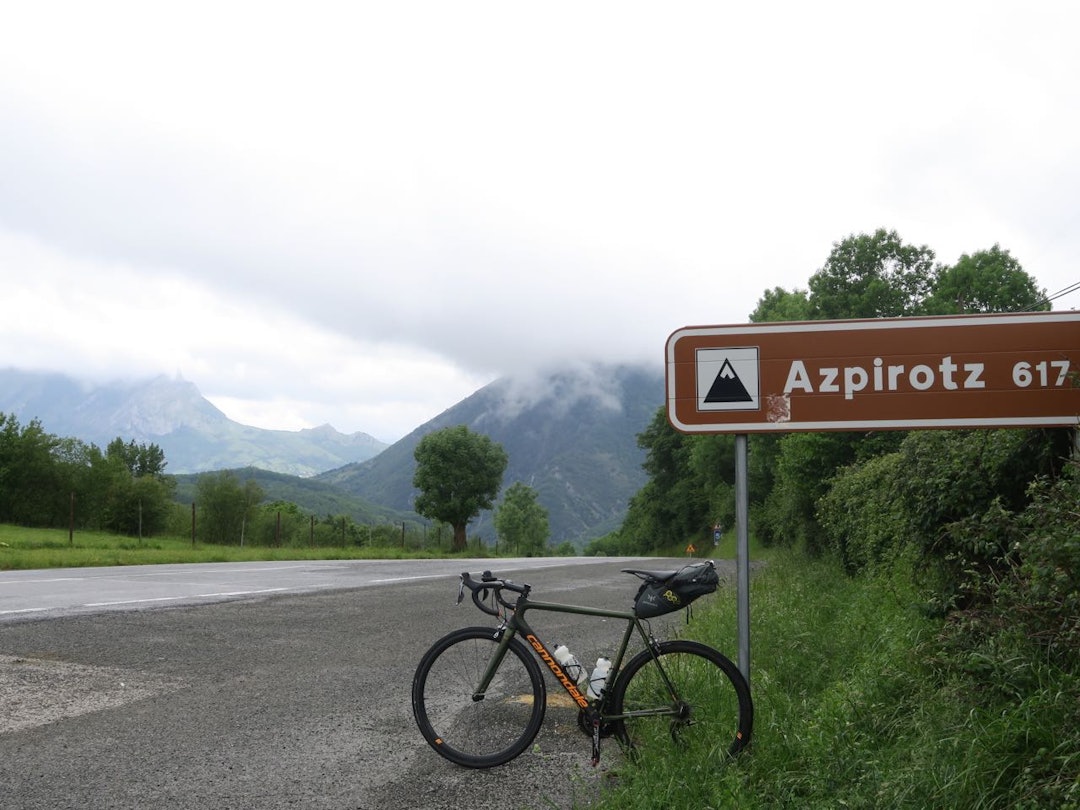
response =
{"points": [[727, 378], [727, 387]]}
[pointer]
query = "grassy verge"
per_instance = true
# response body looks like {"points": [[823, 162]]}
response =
{"points": [[851, 710], [22, 548]]}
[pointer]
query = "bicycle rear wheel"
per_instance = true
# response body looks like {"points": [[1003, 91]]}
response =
{"points": [[703, 703], [478, 733]]}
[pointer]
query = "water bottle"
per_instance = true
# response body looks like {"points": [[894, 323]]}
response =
{"points": [[599, 677], [568, 661]]}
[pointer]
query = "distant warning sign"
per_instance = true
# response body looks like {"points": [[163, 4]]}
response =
{"points": [[727, 379], [1015, 370]]}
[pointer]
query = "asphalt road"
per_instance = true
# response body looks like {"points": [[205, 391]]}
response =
{"points": [[269, 686]]}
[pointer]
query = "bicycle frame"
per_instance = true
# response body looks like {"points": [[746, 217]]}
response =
{"points": [[516, 623]]}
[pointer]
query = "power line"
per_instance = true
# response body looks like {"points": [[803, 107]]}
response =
{"points": [[1062, 292]]}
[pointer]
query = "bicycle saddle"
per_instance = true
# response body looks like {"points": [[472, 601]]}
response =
{"points": [[650, 576]]}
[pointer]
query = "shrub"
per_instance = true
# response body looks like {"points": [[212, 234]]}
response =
{"points": [[863, 514], [1045, 593]]}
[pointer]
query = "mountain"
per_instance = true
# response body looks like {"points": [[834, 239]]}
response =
{"points": [[172, 414], [571, 436]]}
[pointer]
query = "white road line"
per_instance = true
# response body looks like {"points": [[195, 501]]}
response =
{"points": [[135, 572], [218, 595], [185, 596], [132, 601], [410, 579]]}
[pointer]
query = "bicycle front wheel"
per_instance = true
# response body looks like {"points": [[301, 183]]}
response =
{"points": [[478, 733], [688, 693]]}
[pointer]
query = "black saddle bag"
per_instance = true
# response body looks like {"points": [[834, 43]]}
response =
{"points": [[690, 582]]}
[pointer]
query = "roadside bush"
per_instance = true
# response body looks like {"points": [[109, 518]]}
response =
{"points": [[948, 493], [1045, 593], [863, 515], [962, 490], [950, 476], [1013, 651]]}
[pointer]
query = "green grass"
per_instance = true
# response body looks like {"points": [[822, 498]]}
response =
{"points": [[22, 548], [851, 711]]}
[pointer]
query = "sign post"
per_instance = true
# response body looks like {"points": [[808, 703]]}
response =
{"points": [[742, 553], [960, 371]]}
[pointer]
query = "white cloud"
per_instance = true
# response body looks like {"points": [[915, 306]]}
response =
{"points": [[363, 211]]}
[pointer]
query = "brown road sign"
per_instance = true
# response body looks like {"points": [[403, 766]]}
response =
{"points": [[958, 371]]}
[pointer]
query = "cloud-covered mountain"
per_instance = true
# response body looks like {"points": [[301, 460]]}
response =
{"points": [[571, 436], [172, 414]]}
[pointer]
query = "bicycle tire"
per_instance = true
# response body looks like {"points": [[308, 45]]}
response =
{"points": [[478, 733], [712, 713]]}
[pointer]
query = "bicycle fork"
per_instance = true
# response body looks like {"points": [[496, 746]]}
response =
{"points": [[505, 634]]}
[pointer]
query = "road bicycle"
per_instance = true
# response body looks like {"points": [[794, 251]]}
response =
{"points": [[479, 695]]}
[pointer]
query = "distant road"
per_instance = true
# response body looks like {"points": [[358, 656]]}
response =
{"points": [[272, 685], [63, 591]]}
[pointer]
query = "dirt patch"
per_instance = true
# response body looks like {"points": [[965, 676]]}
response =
{"points": [[36, 691]]}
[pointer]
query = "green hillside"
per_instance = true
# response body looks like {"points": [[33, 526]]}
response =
{"points": [[317, 497]]}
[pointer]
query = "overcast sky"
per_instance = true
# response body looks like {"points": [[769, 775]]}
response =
{"points": [[361, 212]]}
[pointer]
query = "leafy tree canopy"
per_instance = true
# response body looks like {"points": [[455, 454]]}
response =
{"points": [[986, 281], [779, 304], [140, 459], [872, 276]]}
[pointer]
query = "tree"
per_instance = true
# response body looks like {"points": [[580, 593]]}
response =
{"points": [[873, 276], [458, 473], [225, 505], [986, 281], [136, 493], [29, 476], [521, 521], [779, 304]]}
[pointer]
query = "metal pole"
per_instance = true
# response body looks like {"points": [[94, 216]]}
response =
{"points": [[742, 553]]}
